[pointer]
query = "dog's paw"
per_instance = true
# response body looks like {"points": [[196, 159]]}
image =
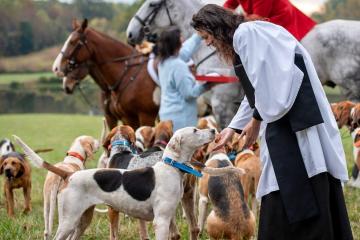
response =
{"points": [[26, 211]]}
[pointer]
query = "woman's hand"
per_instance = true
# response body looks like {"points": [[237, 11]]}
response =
{"points": [[223, 137], [251, 131]]}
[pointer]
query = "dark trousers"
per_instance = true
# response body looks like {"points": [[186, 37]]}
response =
{"points": [[331, 224]]}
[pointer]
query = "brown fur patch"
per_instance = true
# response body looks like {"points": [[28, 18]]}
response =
{"points": [[341, 112], [125, 130]]}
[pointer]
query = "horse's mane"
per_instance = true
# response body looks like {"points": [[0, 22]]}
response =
{"points": [[103, 35]]}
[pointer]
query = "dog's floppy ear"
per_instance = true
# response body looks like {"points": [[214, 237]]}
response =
{"points": [[107, 140], [129, 133], [2, 165], [175, 145], [88, 148], [21, 170]]}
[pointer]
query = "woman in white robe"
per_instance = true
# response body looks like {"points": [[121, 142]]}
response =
{"points": [[301, 150]]}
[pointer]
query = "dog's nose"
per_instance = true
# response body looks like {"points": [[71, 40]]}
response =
{"points": [[8, 173], [213, 131]]}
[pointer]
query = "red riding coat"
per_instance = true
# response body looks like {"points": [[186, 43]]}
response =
{"points": [[280, 12]]}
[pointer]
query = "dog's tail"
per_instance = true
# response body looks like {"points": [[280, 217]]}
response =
{"points": [[37, 161], [221, 171], [104, 132], [217, 171], [43, 150]]}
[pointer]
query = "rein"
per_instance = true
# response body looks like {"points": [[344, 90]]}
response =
{"points": [[205, 58]]}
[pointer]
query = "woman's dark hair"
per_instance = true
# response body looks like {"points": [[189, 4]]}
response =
{"points": [[169, 43], [221, 23]]}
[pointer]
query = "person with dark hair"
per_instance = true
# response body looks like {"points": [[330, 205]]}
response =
{"points": [[303, 161], [179, 90], [280, 12]]}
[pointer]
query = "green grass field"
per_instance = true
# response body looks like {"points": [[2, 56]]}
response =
{"points": [[58, 132], [7, 78]]}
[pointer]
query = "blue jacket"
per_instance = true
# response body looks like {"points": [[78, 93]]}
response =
{"points": [[178, 87]]}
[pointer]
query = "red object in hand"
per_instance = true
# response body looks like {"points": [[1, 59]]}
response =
{"points": [[218, 79]]}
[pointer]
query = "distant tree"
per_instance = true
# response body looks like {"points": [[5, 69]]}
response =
{"points": [[26, 37], [94, 8], [339, 9]]}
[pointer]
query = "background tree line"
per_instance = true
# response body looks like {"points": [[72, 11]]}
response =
{"points": [[28, 25]]}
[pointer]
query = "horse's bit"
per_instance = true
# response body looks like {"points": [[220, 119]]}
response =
{"points": [[146, 22]]}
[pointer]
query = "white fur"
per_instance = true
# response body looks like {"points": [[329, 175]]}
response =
{"points": [[34, 158], [56, 67], [6, 148], [247, 151], [139, 136], [203, 203]]}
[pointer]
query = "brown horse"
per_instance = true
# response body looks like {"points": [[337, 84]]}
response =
{"points": [[120, 72]]}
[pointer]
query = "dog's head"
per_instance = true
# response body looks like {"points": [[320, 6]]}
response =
{"points": [[355, 117], [144, 137], [185, 141], [6, 147], [13, 165], [341, 112], [208, 122], [164, 131], [123, 132], [87, 145]]}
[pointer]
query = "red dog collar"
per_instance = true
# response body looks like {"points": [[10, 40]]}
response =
{"points": [[75, 154]]}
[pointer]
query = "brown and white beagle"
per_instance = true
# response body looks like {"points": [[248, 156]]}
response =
{"points": [[230, 217], [342, 113], [82, 149]]}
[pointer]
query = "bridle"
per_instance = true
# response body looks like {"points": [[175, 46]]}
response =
{"points": [[73, 64], [146, 22]]}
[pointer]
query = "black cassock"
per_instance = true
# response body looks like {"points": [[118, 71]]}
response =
{"points": [[304, 208]]}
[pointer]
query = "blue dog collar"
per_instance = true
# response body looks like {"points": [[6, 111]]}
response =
{"points": [[232, 155], [123, 143], [182, 167]]}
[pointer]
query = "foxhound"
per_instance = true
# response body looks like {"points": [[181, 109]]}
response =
{"points": [[150, 193]]}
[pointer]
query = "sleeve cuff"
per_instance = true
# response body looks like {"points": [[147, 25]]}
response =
{"points": [[256, 115], [238, 131]]}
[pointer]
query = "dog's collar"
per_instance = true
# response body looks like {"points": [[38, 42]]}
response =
{"points": [[183, 167], [125, 143], [232, 155], [76, 155]]}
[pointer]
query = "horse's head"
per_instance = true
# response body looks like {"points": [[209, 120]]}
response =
{"points": [[151, 16], [71, 62]]}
